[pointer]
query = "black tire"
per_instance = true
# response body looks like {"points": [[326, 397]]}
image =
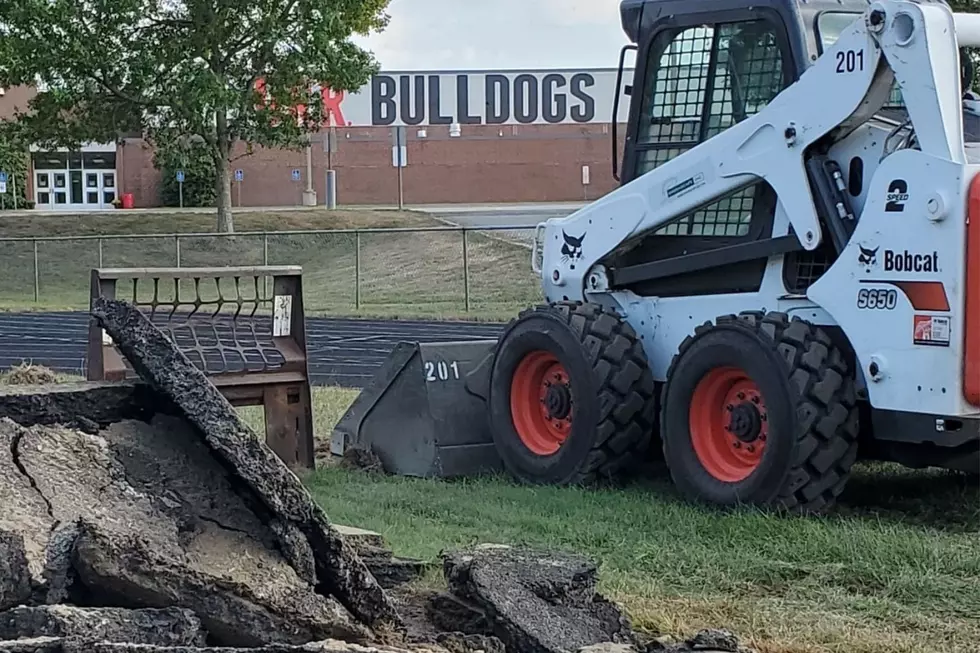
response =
{"points": [[610, 387], [808, 410]]}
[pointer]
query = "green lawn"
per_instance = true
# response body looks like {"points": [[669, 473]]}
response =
{"points": [[894, 569], [401, 274]]}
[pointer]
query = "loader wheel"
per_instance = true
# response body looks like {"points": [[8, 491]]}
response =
{"points": [[761, 410], [571, 396]]}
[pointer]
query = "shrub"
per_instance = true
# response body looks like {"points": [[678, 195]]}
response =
{"points": [[199, 174]]}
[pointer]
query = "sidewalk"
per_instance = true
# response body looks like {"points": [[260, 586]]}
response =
{"points": [[531, 207]]}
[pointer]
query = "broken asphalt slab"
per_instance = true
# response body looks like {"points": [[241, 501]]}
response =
{"points": [[236, 613], [534, 601], [133, 534], [91, 403], [15, 576], [339, 571], [327, 646], [81, 645], [166, 627]]}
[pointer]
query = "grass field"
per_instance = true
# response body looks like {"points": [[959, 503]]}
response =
{"points": [[401, 274], [895, 568]]}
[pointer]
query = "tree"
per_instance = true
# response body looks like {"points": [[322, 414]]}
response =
{"points": [[222, 71], [968, 7], [198, 166], [13, 161]]}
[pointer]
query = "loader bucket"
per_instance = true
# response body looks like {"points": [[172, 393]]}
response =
{"points": [[423, 412]]}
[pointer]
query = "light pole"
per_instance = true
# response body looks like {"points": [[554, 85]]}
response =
{"points": [[309, 195]]}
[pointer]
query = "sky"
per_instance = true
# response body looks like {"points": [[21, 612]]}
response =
{"points": [[499, 34]]}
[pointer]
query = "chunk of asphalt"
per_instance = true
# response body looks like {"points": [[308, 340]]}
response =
{"points": [[536, 601], [59, 575], [127, 569], [138, 542], [15, 576], [451, 613], [88, 402], [23, 511], [327, 646], [34, 645], [339, 570], [166, 627]]}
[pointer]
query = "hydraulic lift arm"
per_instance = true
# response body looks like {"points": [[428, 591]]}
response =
{"points": [[917, 44]]}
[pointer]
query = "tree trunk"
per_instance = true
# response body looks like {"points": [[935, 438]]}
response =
{"points": [[226, 223]]}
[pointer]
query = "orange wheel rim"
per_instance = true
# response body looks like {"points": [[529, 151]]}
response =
{"points": [[729, 424], [541, 403]]}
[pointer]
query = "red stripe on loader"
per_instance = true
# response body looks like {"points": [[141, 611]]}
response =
{"points": [[971, 350]]}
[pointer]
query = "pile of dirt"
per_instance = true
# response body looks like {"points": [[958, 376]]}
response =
{"points": [[149, 517], [29, 374]]}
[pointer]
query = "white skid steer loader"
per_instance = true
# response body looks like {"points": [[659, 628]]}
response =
{"points": [[787, 279]]}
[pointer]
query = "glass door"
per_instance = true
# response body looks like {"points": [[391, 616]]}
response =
{"points": [[108, 183], [60, 189], [43, 197], [93, 198], [75, 181], [75, 195]]}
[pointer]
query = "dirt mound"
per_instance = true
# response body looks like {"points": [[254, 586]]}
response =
{"points": [[30, 374]]}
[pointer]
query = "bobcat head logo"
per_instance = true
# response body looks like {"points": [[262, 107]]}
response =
{"points": [[572, 249], [868, 257]]}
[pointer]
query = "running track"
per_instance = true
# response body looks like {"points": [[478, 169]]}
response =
{"points": [[341, 352]]}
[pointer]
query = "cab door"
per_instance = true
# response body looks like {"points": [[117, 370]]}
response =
{"points": [[696, 78]]}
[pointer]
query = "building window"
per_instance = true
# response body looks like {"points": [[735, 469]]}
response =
{"points": [[99, 160], [50, 160]]}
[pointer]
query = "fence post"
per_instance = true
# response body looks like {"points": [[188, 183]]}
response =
{"points": [[466, 273], [177, 248], [265, 248], [100, 253], [357, 270], [37, 276]]}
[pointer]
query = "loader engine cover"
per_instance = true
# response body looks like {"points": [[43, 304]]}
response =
{"points": [[421, 413]]}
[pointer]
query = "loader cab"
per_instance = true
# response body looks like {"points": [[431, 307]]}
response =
{"points": [[705, 65], [701, 67]]}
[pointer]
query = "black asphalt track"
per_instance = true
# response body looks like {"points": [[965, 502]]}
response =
{"points": [[341, 352]]}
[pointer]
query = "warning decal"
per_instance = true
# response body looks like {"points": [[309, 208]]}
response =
{"points": [[931, 330]]}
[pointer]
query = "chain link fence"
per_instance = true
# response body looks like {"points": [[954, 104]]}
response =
{"points": [[399, 272]]}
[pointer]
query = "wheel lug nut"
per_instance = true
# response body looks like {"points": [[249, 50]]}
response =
{"points": [[762, 437], [738, 445], [741, 395], [730, 408], [755, 400], [751, 449]]}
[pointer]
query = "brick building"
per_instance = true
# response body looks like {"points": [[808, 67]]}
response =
{"points": [[469, 137]]}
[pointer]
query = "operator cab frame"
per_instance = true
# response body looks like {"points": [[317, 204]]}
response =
{"points": [[702, 67]]}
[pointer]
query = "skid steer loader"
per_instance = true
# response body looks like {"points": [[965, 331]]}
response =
{"points": [[787, 279]]}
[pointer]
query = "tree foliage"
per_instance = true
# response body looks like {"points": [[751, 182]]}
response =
{"points": [[969, 7], [169, 69], [13, 161], [200, 175]]}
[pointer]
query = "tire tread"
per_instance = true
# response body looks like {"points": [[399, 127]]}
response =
{"points": [[826, 412], [626, 397]]}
